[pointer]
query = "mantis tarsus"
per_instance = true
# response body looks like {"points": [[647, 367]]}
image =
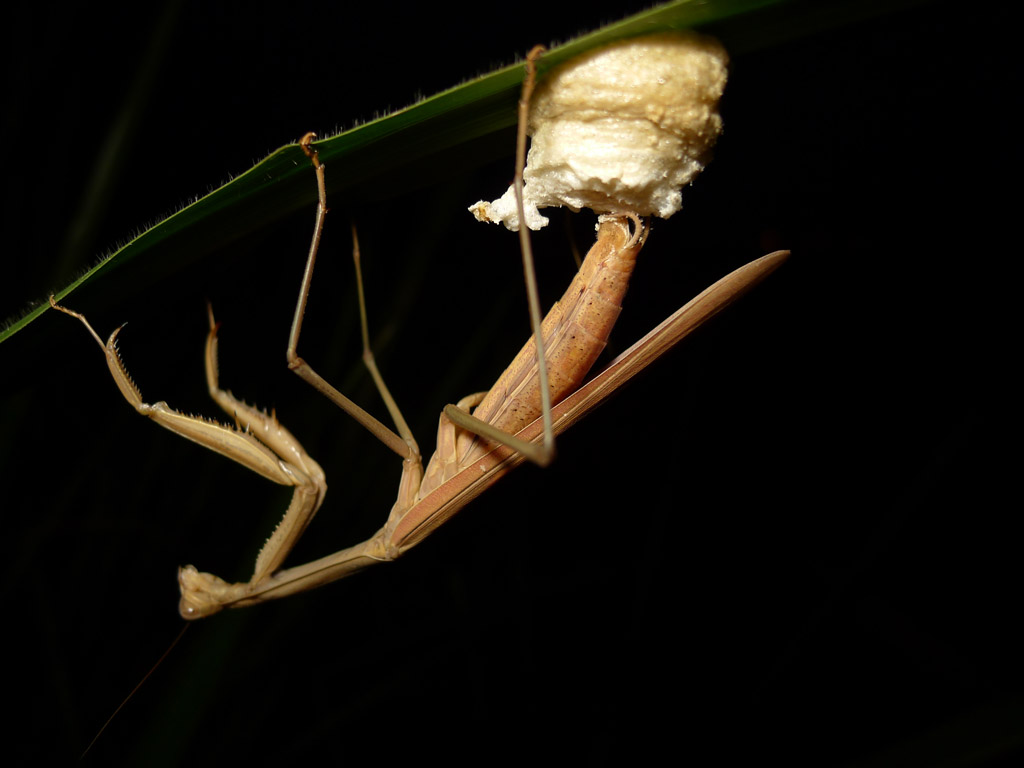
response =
{"points": [[511, 423]]}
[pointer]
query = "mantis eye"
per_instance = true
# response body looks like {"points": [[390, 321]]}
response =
{"points": [[620, 129]]}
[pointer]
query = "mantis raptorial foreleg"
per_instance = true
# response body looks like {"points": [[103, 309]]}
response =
{"points": [[259, 443], [309, 493]]}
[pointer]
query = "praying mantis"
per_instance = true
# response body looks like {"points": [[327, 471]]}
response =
{"points": [[480, 438]]}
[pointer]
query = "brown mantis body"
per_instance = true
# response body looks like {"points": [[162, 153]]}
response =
{"points": [[473, 451]]}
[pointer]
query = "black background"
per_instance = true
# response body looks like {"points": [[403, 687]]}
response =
{"points": [[794, 536]]}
